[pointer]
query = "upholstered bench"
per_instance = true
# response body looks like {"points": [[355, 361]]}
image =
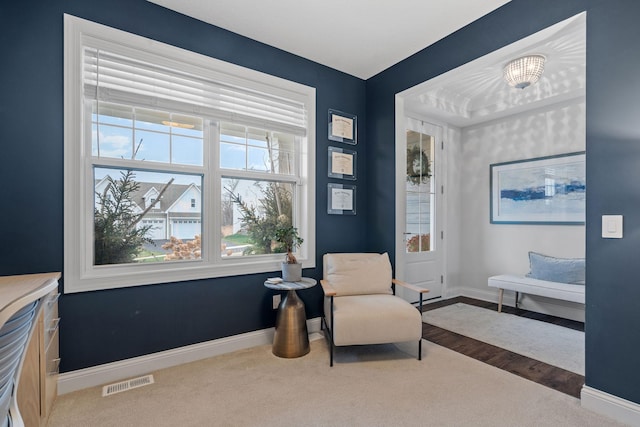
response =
{"points": [[527, 285], [552, 277]]}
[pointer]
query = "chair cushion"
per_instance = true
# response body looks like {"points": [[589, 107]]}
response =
{"points": [[373, 319], [358, 273]]}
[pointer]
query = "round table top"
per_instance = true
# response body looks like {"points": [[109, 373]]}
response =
{"points": [[304, 283]]}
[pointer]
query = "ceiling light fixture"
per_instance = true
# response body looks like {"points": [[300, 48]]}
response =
{"points": [[178, 124], [525, 71]]}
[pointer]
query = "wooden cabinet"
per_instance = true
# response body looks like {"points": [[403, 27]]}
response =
{"points": [[37, 383], [48, 327], [38, 386]]}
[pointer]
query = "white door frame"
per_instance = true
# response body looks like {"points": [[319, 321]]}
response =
{"points": [[400, 186]]}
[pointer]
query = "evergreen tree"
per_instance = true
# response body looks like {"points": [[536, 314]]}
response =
{"points": [[116, 237]]}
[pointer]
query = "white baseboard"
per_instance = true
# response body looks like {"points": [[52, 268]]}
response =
{"points": [[610, 406], [481, 294], [117, 371]]}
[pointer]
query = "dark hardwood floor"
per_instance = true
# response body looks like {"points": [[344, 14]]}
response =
{"points": [[531, 369]]}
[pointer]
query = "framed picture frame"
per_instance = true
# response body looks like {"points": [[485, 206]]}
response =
{"points": [[341, 199], [343, 127], [544, 190], [342, 163]]}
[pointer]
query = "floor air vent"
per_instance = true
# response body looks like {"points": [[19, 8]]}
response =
{"points": [[126, 385]]}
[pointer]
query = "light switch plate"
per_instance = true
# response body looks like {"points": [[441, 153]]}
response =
{"points": [[612, 226]]}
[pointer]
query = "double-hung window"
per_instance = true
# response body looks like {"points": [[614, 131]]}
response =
{"points": [[178, 166]]}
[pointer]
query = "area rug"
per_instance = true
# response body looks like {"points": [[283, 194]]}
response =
{"points": [[548, 343]]}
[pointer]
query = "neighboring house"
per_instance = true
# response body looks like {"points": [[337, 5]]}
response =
{"points": [[177, 213]]}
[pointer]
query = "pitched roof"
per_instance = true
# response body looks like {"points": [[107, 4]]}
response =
{"points": [[170, 196]]}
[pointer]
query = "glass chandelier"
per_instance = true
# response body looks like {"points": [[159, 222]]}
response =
{"points": [[525, 71]]}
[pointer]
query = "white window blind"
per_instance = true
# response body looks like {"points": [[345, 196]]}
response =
{"points": [[113, 77]]}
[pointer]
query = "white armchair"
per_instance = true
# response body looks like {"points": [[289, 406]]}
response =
{"points": [[360, 305]]}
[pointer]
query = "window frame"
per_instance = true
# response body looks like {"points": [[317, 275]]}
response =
{"points": [[79, 272]]}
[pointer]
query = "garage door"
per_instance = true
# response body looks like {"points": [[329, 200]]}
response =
{"points": [[185, 228], [157, 231]]}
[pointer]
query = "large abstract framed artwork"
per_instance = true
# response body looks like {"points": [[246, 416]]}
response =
{"points": [[544, 190]]}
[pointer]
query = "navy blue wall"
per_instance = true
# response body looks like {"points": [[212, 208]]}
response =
{"points": [[613, 160], [105, 326]]}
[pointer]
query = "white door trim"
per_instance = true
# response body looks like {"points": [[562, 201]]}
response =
{"points": [[400, 186]]}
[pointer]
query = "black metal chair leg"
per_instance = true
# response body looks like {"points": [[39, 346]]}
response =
{"points": [[331, 356], [328, 333], [331, 336]]}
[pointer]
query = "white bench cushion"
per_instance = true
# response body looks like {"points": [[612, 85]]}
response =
{"points": [[527, 285]]}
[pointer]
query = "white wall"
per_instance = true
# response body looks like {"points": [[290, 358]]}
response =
{"points": [[452, 199], [487, 249]]}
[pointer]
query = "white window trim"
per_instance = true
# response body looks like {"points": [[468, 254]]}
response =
{"points": [[81, 275]]}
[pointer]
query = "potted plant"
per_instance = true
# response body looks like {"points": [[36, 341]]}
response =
{"points": [[288, 240]]}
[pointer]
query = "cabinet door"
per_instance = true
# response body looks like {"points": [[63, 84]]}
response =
{"points": [[50, 356], [29, 383]]}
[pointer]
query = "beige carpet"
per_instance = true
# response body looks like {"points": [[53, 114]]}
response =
{"points": [[369, 386]]}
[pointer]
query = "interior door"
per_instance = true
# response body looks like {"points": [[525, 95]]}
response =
{"points": [[418, 211]]}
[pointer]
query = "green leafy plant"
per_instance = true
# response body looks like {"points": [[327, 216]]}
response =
{"points": [[288, 239]]}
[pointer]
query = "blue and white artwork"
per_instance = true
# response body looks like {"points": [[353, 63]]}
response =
{"points": [[539, 191]]}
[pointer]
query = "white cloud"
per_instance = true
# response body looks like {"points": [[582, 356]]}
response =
{"points": [[114, 145]]}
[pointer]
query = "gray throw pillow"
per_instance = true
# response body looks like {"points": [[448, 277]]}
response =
{"points": [[553, 269]]}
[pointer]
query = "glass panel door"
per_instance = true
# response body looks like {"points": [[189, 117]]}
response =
{"points": [[420, 192], [419, 171]]}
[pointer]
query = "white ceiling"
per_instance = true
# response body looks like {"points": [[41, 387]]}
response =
{"points": [[476, 92], [358, 37], [364, 37]]}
